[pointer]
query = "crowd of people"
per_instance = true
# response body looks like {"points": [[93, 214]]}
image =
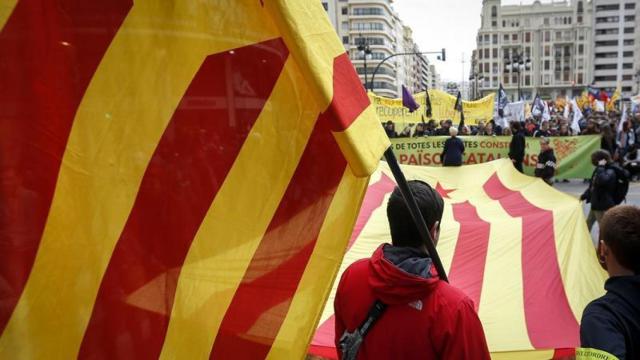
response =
{"points": [[621, 140]]}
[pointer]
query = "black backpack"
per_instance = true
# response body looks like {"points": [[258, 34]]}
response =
{"points": [[622, 183]]}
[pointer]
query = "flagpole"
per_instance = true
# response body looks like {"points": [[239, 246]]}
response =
{"points": [[415, 212]]}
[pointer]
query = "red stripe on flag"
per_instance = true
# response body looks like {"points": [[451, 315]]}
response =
{"points": [[372, 201], [184, 175], [550, 321], [49, 51], [468, 264], [264, 296], [349, 101]]}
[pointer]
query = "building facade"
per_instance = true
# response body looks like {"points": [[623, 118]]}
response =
{"points": [[538, 48], [375, 24], [616, 50]]}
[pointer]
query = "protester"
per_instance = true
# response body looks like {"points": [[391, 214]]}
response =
{"points": [[564, 130], [507, 132], [625, 139], [517, 146], [390, 129], [601, 187], [608, 141], [546, 166], [592, 128], [543, 131], [612, 323], [631, 162], [420, 131], [425, 318], [465, 131], [453, 149], [488, 130]]}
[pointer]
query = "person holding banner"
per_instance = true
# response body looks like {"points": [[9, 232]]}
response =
{"points": [[517, 146], [453, 149], [421, 316], [546, 166]]}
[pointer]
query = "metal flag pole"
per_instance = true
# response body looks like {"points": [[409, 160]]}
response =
{"points": [[415, 212]]}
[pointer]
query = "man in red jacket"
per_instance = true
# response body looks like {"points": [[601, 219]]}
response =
{"points": [[425, 318]]}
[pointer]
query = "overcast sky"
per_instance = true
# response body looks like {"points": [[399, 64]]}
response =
{"points": [[450, 24]]}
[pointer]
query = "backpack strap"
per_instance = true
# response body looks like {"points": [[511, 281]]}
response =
{"points": [[350, 342]]}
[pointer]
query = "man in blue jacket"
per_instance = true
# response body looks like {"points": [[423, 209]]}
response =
{"points": [[612, 322], [601, 187], [453, 149]]}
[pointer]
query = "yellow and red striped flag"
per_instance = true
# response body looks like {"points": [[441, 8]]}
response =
{"points": [[179, 178], [519, 249]]}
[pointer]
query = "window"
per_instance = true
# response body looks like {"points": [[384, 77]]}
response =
{"points": [[628, 30], [504, 23], [580, 49], [558, 35], [495, 70], [546, 79], [367, 11], [628, 42], [607, 19], [514, 79], [546, 21], [547, 64], [486, 38], [607, 31], [325, 6], [368, 26], [527, 80], [606, 67], [607, 43], [630, 18], [486, 53], [345, 26], [486, 68], [480, 54], [580, 78], [605, 78], [547, 50], [345, 10], [580, 7], [345, 39], [495, 53], [627, 66], [505, 79], [505, 37], [495, 39], [514, 37], [580, 63], [494, 23], [606, 55], [630, 6], [627, 54], [527, 37], [607, 7], [626, 89], [494, 11], [547, 36], [579, 19]]}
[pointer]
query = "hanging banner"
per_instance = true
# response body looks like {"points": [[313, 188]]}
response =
{"points": [[572, 152], [442, 106]]}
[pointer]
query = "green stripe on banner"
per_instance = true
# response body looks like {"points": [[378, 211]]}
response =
{"points": [[573, 152]]}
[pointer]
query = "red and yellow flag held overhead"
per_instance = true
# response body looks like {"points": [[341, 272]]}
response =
{"points": [[179, 179]]}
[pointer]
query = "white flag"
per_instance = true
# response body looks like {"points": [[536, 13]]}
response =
{"points": [[577, 115], [566, 109], [546, 115], [623, 119]]}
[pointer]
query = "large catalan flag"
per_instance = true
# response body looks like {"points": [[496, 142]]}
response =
{"points": [[178, 179], [518, 248]]}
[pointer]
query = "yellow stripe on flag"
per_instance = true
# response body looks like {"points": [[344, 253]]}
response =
{"points": [[116, 130], [6, 8], [239, 216], [299, 324]]}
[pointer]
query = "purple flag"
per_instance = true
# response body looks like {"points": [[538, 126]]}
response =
{"points": [[408, 101]]}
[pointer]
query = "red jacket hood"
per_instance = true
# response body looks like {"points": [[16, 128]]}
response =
{"points": [[393, 285]]}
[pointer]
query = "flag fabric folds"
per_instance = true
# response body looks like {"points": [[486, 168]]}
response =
{"points": [[577, 116], [408, 101], [183, 176], [427, 107], [499, 228], [458, 107], [503, 100]]}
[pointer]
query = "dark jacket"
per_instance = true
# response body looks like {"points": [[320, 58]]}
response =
{"points": [[452, 152], [541, 133], [426, 318], [546, 166], [612, 322], [600, 190], [517, 146]]}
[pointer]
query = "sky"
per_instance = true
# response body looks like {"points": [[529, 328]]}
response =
{"points": [[450, 24]]}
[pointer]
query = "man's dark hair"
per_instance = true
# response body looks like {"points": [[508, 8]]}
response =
{"points": [[403, 230], [600, 155], [515, 125], [620, 230]]}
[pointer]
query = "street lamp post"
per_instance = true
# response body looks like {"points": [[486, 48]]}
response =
{"points": [[365, 51], [443, 57], [517, 63]]}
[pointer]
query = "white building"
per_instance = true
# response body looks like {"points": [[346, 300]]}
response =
{"points": [[616, 51], [377, 25], [550, 43]]}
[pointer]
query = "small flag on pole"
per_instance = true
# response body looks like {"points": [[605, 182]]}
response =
{"points": [[408, 101], [458, 107]]}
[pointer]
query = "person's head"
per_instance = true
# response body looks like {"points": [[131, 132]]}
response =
{"points": [[600, 155], [403, 230], [448, 123], [431, 124], [544, 125], [507, 132], [488, 128], [481, 124], [420, 127], [515, 126], [626, 126], [465, 130], [619, 248], [389, 125], [453, 131], [564, 129], [544, 143]]}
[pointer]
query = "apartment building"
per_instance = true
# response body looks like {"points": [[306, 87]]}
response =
{"points": [[535, 48], [616, 48], [375, 24]]}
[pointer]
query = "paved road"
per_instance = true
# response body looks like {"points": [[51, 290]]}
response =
{"points": [[577, 187]]}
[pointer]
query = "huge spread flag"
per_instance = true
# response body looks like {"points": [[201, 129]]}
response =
{"points": [[179, 178], [518, 248]]}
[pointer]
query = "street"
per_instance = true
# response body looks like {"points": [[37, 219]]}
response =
{"points": [[577, 187]]}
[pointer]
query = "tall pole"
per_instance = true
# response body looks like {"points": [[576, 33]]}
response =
{"points": [[365, 75]]}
